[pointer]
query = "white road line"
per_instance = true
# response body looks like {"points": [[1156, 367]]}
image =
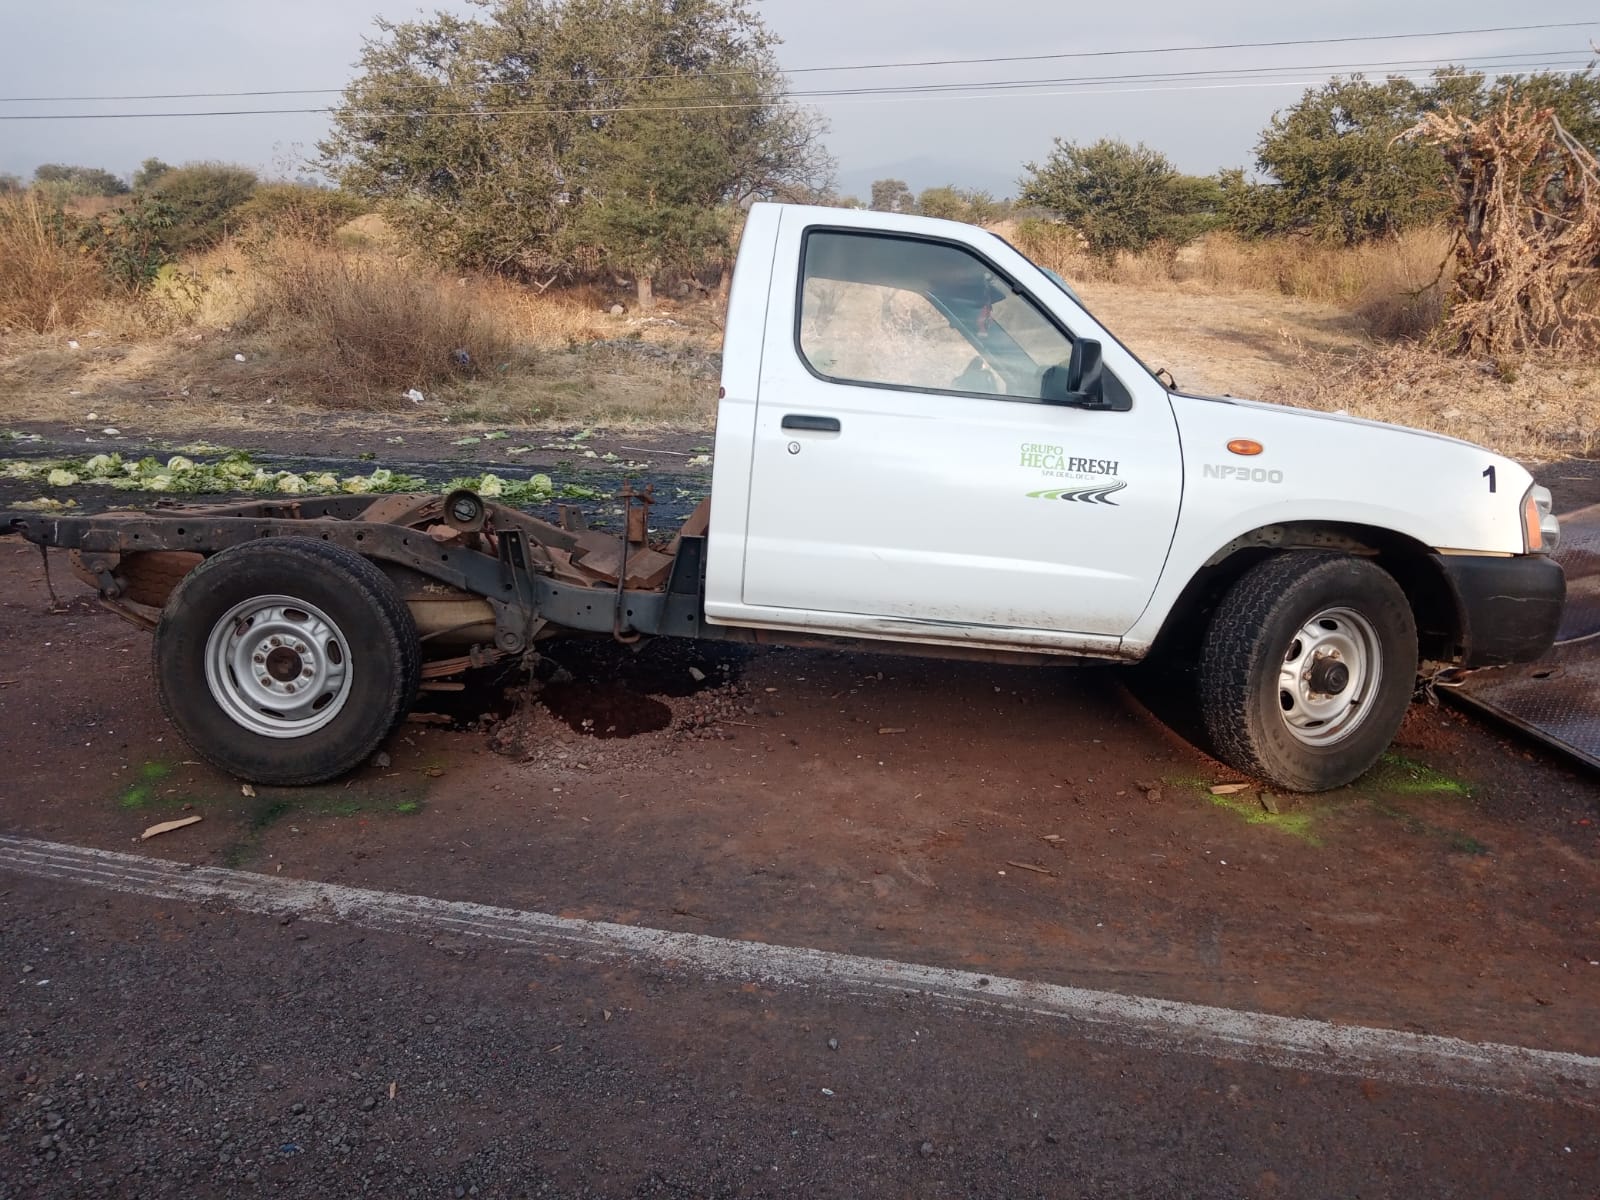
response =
{"points": [[1352, 1050]]}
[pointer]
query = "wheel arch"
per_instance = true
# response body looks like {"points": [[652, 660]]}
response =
{"points": [[1413, 565]]}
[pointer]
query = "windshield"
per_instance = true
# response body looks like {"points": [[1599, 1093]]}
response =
{"points": [[1066, 287]]}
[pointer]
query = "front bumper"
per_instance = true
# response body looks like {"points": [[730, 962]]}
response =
{"points": [[1507, 609]]}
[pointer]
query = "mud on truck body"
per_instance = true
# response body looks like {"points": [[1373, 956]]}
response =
{"points": [[925, 443]]}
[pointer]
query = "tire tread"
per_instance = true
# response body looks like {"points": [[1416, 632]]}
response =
{"points": [[1233, 646]]}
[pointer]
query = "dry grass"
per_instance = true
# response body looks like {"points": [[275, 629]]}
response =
{"points": [[367, 328], [324, 326], [46, 283], [1395, 287], [350, 327], [1547, 408]]}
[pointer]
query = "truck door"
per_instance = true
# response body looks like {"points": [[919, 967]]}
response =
{"points": [[906, 462]]}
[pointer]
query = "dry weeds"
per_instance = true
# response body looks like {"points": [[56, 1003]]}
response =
{"points": [[46, 282], [367, 328], [1395, 287], [1528, 206]]}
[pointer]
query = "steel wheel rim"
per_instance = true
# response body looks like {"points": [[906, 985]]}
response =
{"points": [[1315, 711], [278, 666]]}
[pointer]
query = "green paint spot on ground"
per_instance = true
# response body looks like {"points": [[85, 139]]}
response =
{"points": [[1455, 839], [143, 794], [1247, 807], [1403, 776], [300, 803], [136, 797]]}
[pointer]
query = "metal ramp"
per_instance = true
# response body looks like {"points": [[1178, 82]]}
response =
{"points": [[1557, 699]]}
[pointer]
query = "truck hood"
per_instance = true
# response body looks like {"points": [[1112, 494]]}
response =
{"points": [[1443, 492], [1315, 414]]}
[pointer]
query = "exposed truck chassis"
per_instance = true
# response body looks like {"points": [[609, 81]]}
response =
{"points": [[537, 579]]}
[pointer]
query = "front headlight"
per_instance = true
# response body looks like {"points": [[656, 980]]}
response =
{"points": [[1541, 532]]}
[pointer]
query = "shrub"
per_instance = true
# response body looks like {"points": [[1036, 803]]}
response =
{"points": [[47, 280], [66, 182], [369, 327], [293, 208], [1121, 197], [203, 198]]}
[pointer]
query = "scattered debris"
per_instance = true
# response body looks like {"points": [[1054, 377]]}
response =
{"points": [[1022, 866], [1229, 789], [415, 396], [1269, 802], [890, 729], [169, 826], [246, 790]]}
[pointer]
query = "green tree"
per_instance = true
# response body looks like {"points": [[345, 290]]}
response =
{"points": [[652, 189], [959, 204], [65, 182], [1575, 100], [983, 208], [1338, 163], [1118, 197], [943, 202], [149, 171], [891, 195], [202, 198], [487, 138]]}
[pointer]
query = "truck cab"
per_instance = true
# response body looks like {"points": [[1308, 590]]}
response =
{"points": [[909, 445]]}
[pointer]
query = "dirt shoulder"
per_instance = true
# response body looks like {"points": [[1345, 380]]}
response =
{"points": [[1040, 824]]}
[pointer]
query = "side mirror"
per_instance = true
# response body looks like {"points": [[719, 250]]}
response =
{"points": [[1080, 383], [1084, 379]]}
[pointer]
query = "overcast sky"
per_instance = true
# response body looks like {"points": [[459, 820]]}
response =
{"points": [[100, 47]]}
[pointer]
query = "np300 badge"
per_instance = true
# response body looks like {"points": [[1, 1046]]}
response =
{"points": [[1243, 474]]}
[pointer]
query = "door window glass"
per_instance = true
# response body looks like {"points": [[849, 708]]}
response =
{"points": [[926, 315]]}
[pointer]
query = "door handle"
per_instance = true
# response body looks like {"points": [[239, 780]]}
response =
{"points": [[802, 421]]}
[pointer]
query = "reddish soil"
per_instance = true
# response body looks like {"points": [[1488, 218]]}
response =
{"points": [[1037, 823]]}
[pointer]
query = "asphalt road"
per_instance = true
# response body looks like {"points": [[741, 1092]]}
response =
{"points": [[175, 1049]]}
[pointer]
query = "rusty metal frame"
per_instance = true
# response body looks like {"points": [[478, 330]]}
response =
{"points": [[525, 598]]}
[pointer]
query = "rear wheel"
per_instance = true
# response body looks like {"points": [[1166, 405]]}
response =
{"points": [[286, 660], [1307, 669]]}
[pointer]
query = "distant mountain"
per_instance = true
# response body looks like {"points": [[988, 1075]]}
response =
{"points": [[925, 172]]}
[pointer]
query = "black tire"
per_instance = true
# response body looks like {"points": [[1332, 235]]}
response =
{"points": [[372, 643], [1257, 636]]}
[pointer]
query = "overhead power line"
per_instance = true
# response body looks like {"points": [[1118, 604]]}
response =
{"points": [[874, 66], [998, 91]]}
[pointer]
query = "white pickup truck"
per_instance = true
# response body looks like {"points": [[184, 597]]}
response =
{"points": [[925, 443]]}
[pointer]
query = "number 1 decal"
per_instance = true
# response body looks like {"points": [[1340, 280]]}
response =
{"points": [[1488, 473]]}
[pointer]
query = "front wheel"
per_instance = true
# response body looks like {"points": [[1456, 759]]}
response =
{"points": [[286, 660], [1307, 669]]}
